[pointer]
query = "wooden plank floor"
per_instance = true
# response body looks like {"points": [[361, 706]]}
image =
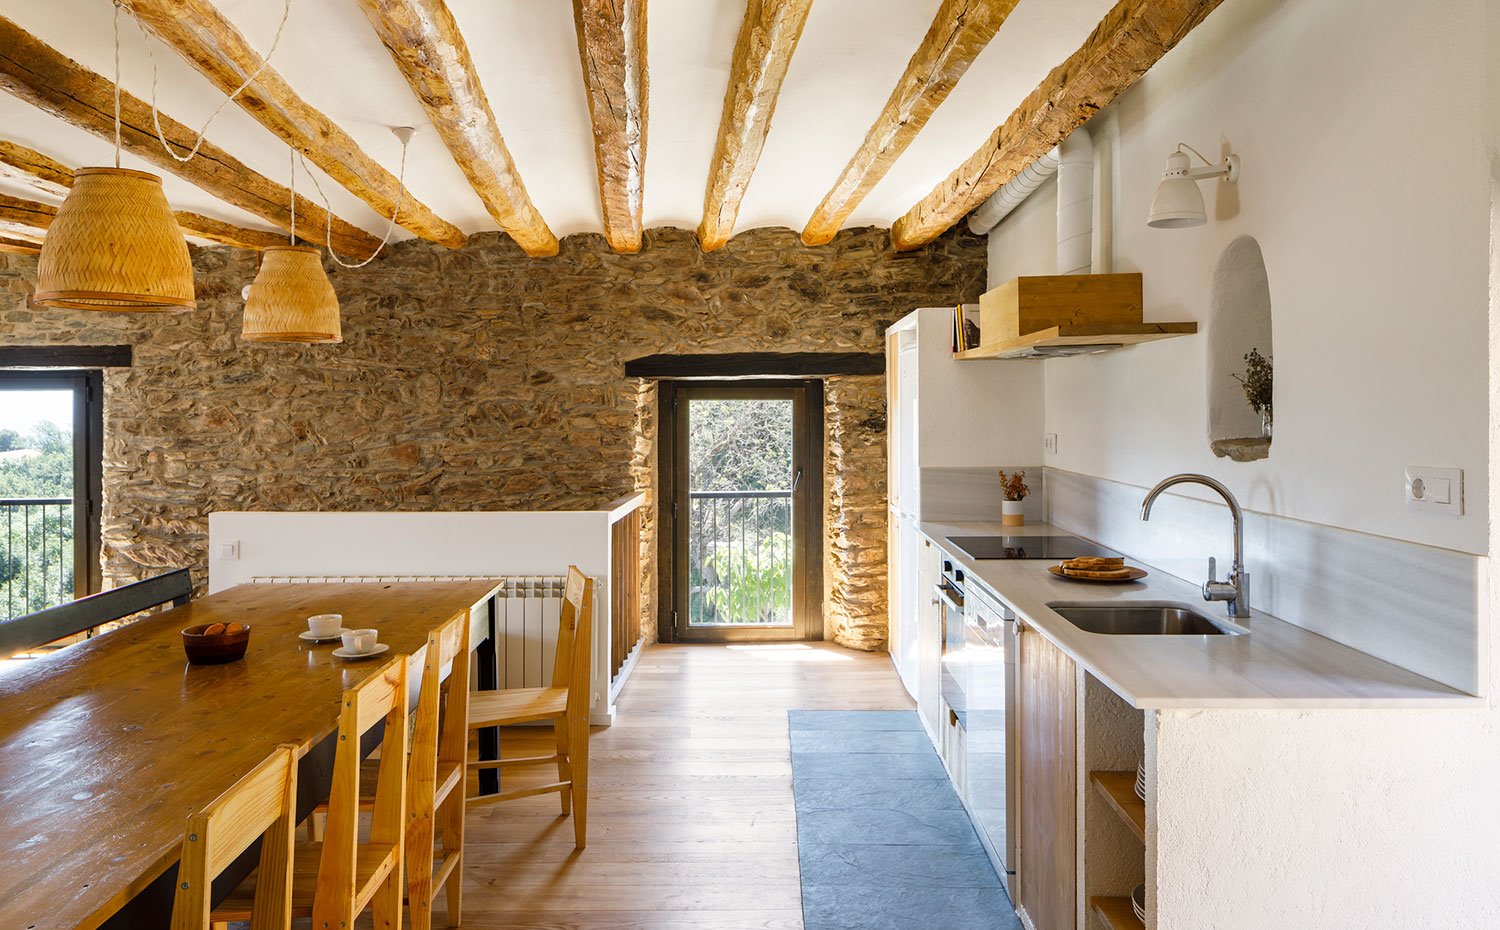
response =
{"points": [[691, 823]]}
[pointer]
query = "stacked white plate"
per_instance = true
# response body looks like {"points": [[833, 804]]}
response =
{"points": [[1140, 781], [1138, 902]]}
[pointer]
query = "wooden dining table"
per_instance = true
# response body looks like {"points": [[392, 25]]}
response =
{"points": [[108, 745]]}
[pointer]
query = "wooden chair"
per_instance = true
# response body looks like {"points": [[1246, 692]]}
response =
{"points": [[335, 880], [435, 767], [565, 703], [262, 805], [435, 798]]}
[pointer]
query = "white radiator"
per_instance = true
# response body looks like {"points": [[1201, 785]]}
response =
{"points": [[527, 612]]}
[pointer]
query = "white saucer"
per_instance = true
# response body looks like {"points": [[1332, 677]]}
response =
{"points": [[308, 635], [343, 653]]}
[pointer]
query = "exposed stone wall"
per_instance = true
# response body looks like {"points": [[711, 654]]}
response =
{"points": [[854, 518], [481, 379]]}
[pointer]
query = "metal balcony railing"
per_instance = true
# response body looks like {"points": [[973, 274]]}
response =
{"points": [[740, 558], [36, 554]]}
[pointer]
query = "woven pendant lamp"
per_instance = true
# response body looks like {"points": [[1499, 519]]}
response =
{"points": [[115, 246], [291, 300]]}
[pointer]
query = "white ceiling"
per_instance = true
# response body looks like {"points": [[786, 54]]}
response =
{"points": [[849, 58]]}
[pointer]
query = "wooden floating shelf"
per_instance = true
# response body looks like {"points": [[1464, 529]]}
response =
{"points": [[1118, 788], [1116, 913], [1103, 336]]}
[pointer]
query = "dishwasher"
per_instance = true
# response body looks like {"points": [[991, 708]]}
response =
{"points": [[990, 696]]}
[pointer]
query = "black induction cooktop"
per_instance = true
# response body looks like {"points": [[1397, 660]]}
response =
{"points": [[1055, 548]]}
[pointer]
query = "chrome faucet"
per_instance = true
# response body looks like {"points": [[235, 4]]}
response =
{"points": [[1236, 588]]}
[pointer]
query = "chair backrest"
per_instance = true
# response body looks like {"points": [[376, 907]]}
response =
{"points": [[35, 630], [441, 730], [381, 697], [262, 805], [575, 640]]}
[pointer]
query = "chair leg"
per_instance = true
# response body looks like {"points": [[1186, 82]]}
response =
{"points": [[451, 822], [418, 855], [578, 757], [385, 907], [564, 769]]}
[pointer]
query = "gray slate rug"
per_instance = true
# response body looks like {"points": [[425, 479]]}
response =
{"points": [[882, 839]]}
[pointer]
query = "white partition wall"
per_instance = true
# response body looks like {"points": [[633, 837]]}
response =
{"points": [[246, 546]]}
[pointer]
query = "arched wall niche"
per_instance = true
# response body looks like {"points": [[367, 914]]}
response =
{"points": [[1240, 324]]}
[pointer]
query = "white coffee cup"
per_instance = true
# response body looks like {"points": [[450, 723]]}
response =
{"points": [[325, 626], [360, 642]]}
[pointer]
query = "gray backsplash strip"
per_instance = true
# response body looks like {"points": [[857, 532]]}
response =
{"points": [[1412, 605], [949, 494]]}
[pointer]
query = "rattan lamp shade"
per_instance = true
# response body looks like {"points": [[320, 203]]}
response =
{"points": [[291, 299], [115, 246]]}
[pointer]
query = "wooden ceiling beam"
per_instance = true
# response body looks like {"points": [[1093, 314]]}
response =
{"points": [[762, 52], [213, 46], [35, 170], [19, 246], [38, 74], [25, 217], [206, 227], [1127, 42], [21, 232], [426, 44], [612, 49], [49, 176], [959, 32]]}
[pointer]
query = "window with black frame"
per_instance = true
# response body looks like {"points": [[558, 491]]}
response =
{"points": [[50, 431]]}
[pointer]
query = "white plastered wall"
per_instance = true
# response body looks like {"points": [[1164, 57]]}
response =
{"points": [[1359, 123]]}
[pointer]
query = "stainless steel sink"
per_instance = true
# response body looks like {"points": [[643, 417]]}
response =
{"points": [[1139, 618]]}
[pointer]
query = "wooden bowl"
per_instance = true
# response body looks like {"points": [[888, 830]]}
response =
{"points": [[205, 649]]}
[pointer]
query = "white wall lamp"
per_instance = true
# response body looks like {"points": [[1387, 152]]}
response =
{"points": [[1178, 202]]}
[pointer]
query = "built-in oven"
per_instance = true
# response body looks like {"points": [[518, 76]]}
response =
{"points": [[950, 597], [990, 728]]}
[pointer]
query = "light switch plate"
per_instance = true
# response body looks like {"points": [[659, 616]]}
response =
{"points": [[1435, 490], [229, 551]]}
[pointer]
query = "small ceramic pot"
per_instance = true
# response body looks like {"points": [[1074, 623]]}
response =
{"points": [[1012, 513]]}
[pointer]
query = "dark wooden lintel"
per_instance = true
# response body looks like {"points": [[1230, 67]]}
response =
{"points": [[64, 356], [757, 365]]}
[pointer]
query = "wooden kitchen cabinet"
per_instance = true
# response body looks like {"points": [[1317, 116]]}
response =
{"points": [[1047, 784]]}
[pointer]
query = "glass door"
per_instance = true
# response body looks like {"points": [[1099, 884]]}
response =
{"points": [[50, 428], [744, 488]]}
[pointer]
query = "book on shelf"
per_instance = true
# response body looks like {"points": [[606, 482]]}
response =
{"points": [[966, 334]]}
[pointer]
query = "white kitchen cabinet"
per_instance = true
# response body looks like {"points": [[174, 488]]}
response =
{"points": [[905, 593], [929, 641]]}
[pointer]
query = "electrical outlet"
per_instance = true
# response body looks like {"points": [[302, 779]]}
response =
{"points": [[1049, 443], [1436, 490]]}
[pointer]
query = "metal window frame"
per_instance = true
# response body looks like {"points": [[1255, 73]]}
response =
{"points": [[807, 520], [87, 386]]}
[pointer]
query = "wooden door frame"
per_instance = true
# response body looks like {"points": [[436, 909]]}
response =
{"points": [[807, 532], [88, 462]]}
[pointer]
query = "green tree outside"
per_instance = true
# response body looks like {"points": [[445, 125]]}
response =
{"points": [[36, 542], [740, 548]]}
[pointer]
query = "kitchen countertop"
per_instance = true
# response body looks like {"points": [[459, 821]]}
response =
{"points": [[1276, 665]]}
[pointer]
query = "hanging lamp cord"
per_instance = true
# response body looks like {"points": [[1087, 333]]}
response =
{"points": [[265, 62], [328, 207], [117, 83], [291, 159]]}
